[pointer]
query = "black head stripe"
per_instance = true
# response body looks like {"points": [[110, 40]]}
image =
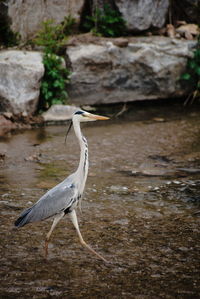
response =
{"points": [[79, 112]]}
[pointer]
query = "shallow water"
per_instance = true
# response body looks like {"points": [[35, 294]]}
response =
{"points": [[140, 210]]}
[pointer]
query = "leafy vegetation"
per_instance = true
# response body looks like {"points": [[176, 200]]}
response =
{"points": [[106, 22], [53, 37], [192, 76], [56, 77]]}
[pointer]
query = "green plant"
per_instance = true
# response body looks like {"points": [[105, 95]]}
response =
{"points": [[53, 36], [56, 77], [192, 76], [68, 25], [106, 22], [55, 80], [48, 36]]}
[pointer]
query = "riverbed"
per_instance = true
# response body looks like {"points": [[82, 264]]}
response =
{"points": [[141, 208]]}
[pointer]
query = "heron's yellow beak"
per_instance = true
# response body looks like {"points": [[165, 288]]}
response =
{"points": [[96, 117]]}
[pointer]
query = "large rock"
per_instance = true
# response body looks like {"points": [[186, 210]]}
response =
{"points": [[27, 15], [111, 72], [142, 14], [20, 76]]}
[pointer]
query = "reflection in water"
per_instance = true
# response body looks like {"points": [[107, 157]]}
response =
{"points": [[141, 209], [41, 135]]}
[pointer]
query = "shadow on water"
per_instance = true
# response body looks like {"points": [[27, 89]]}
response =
{"points": [[141, 208]]}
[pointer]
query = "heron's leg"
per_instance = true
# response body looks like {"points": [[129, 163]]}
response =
{"points": [[74, 220], [55, 222]]}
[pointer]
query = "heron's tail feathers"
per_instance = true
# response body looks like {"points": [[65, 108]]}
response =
{"points": [[23, 219]]}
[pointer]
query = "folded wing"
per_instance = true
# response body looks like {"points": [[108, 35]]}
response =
{"points": [[52, 203]]}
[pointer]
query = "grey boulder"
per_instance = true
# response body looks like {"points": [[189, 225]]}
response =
{"points": [[20, 76]]}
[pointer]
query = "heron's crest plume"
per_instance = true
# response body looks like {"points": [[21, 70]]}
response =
{"points": [[68, 130], [71, 123]]}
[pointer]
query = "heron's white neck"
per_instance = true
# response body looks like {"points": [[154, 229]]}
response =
{"points": [[82, 170]]}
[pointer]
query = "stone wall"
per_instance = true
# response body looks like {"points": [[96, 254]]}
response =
{"points": [[104, 71], [27, 15]]}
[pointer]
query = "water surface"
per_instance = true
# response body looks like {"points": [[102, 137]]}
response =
{"points": [[140, 210]]}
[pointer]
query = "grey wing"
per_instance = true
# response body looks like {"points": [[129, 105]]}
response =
{"points": [[53, 202]]}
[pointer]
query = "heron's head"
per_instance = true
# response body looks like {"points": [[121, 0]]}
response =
{"points": [[84, 116]]}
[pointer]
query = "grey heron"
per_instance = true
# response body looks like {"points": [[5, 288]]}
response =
{"points": [[64, 197]]}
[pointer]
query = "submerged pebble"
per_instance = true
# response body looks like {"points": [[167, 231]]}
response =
{"points": [[118, 189], [176, 182]]}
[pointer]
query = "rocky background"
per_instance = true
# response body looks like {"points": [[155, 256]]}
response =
{"points": [[27, 15], [146, 64]]}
